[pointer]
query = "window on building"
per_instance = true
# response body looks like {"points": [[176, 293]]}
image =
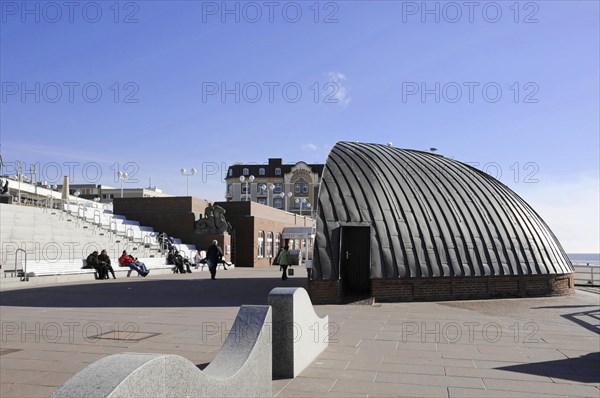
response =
{"points": [[276, 243], [278, 171], [230, 172], [229, 189], [245, 171], [301, 186], [261, 244], [278, 203], [261, 171], [269, 244], [262, 189], [262, 201], [278, 187], [245, 188]]}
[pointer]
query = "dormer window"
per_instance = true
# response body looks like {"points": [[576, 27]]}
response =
{"points": [[278, 171]]}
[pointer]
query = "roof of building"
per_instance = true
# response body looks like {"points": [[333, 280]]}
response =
{"points": [[429, 216], [253, 169]]}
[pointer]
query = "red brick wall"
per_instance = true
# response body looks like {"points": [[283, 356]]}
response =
{"points": [[449, 288], [325, 291]]}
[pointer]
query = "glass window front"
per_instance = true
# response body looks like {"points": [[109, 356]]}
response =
{"points": [[261, 244], [269, 244]]}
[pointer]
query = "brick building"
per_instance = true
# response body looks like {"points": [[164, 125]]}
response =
{"points": [[256, 229]]}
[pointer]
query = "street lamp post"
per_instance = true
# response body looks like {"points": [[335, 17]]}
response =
{"points": [[122, 177], [300, 202], [19, 176], [269, 188], [286, 200], [250, 180], [187, 179]]}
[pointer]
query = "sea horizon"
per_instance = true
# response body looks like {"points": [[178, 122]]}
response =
{"points": [[585, 258]]}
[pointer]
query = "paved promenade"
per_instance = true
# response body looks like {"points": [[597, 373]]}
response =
{"points": [[496, 348]]}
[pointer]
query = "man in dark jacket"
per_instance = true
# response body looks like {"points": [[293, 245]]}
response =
{"points": [[92, 261], [214, 254], [105, 261]]}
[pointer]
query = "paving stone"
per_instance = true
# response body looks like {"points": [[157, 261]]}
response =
{"points": [[459, 392], [541, 388], [564, 353], [390, 389], [430, 380]]}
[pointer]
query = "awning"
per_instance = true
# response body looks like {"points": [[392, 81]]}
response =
{"points": [[297, 233]]}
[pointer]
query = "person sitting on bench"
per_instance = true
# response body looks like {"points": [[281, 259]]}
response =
{"points": [[127, 261], [176, 259], [92, 261], [105, 261]]}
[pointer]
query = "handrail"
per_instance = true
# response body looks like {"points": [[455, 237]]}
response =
{"points": [[25, 278], [97, 213]]}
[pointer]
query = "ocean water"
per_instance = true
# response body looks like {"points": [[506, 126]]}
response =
{"points": [[585, 258]]}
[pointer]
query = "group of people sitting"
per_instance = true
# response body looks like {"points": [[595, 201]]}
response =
{"points": [[176, 259], [101, 263]]}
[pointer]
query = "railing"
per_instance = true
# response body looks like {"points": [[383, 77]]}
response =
{"points": [[587, 275], [25, 278]]}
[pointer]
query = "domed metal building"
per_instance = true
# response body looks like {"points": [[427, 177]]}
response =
{"points": [[399, 225]]}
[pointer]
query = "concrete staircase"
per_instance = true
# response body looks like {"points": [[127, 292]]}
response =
{"points": [[55, 241]]}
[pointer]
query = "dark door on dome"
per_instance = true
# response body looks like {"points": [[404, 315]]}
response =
{"points": [[355, 259]]}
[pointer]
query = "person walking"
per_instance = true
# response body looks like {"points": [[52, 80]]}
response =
{"points": [[284, 261], [214, 254]]}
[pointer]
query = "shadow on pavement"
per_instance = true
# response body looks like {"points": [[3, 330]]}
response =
{"points": [[226, 292], [584, 369]]}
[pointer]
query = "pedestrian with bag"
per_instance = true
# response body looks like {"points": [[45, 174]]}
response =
{"points": [[284, 261]]}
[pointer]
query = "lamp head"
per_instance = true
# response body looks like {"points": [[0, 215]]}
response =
{"points": [[182, 171], [193, 171], [242, 178], [251, 178]]}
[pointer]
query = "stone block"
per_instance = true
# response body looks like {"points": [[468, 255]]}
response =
{"points": [[242, 368], [299, 335]]}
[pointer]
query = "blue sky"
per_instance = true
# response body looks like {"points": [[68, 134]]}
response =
{"points": [[509, 87]]}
